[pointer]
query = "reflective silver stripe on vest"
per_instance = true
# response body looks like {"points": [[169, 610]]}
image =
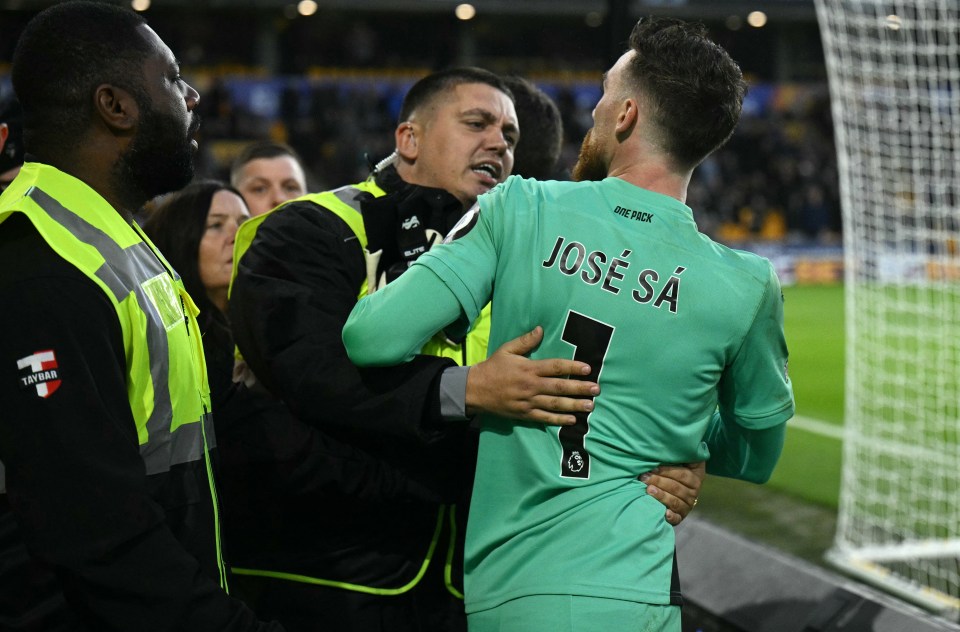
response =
{"points": [[123, 271], [349, 195]]}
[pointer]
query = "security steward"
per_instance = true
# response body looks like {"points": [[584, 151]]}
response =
{"points": [[404, 555], [108, 508]]}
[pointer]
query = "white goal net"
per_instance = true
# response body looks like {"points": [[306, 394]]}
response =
{"points": [[894, 72]]}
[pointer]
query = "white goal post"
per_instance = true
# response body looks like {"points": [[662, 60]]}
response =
{"points": [[894, 73]]}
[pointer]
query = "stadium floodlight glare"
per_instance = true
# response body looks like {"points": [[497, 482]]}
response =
{"points": [[894, 72], [593, 19], [307, 8], [757, 19], [465, 11]]}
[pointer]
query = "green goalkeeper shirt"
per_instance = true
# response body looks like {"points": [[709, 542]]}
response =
{"points": [[684, 335]]}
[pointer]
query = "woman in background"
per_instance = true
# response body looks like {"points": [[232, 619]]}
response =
{"points": [[194, 228]]}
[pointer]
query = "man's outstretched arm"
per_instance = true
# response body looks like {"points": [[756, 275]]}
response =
{"points": [[506, 384]]}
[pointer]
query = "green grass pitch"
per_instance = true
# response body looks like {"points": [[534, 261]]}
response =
{"points": [[813, 321]]}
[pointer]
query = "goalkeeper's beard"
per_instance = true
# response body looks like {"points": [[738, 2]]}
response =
{"points": [[591, 165]]}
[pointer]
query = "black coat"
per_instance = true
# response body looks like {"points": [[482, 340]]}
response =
{"points": [[390, 458]]}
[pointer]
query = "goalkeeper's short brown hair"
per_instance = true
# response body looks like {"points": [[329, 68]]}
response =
{"points": [[692, 87]]}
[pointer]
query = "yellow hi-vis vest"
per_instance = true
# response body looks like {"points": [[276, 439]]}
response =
{"points": [[166, 373], [345, 203]]}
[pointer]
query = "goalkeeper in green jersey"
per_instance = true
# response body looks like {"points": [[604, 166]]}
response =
{"points": [[684, 336]]}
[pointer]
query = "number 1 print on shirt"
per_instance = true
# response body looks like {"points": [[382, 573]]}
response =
{"points": [[590, 339]]}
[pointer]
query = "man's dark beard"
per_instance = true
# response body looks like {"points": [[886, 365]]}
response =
{"points": [[590, 165], [158, 160]]}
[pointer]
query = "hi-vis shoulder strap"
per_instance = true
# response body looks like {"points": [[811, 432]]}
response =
{"points": [[344, 202]]}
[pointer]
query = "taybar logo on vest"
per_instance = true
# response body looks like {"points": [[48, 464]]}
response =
{"points": [[39, 371]]}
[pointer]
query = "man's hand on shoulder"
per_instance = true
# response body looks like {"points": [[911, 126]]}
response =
{"points": [[508, 384]]}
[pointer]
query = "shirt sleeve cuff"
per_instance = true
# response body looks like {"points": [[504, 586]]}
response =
{"points": [[453, 393]]}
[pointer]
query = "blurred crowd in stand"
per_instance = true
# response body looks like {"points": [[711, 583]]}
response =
{"points": [[775, 181]]}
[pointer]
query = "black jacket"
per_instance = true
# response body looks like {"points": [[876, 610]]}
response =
{"points": [[88, 541], [280, 474], [295, 287]]}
